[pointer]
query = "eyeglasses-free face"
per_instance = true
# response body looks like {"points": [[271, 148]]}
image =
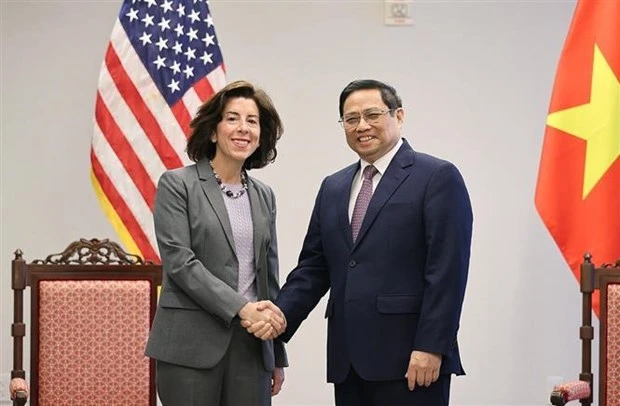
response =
{"points": [[237, 136]]}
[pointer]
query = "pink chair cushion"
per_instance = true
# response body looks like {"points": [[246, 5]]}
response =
{"points": [[92, 336], [613, 345], [573, 390]]}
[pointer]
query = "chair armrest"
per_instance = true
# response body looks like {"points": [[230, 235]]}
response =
{"points": [[566, 392], [18, 391]]}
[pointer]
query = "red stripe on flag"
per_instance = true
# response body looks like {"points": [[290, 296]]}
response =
{"points": [[124, 151], [140, 110], [123, 211], [182, 115], [203, 89]]}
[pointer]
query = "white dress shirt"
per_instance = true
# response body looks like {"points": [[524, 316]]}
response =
{"points": [[381, 164]]}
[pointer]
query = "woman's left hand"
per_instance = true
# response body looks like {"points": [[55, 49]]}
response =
{"points": [[277, 379]]}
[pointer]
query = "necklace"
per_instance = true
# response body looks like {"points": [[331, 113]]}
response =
{"points": [[228, 192]]}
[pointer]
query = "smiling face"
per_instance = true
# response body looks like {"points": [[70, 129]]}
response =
{"points": [[371, 140], [237, 136]]}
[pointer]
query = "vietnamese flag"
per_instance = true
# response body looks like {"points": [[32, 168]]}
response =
{"points": [[578, 190]]}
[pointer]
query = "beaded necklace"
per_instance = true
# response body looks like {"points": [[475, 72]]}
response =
{"points": [[228, 192]]}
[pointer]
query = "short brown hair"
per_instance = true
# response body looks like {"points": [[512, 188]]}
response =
{"points": [[199, 145]]}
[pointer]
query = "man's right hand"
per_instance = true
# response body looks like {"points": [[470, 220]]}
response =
{"points": [[423, 369], [263, 319]]}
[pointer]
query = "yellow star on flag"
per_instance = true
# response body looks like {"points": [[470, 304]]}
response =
{"points": [[597, 122]]}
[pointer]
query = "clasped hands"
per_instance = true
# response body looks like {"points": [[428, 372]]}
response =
{"points": [[263, 319]]}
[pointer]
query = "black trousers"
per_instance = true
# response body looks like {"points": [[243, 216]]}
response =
{"points": [[355, 391]]}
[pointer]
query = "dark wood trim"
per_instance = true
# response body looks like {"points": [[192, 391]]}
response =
{"points": [[93, 251], [18, 328], [65, 267], [586, 332], [594, 279], [607, 276]]}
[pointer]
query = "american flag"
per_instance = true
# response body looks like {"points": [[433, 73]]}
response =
{"points": [[163, 61]]}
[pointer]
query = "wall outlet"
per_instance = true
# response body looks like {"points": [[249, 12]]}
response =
{"points": [[4, 387], [397, 12]]}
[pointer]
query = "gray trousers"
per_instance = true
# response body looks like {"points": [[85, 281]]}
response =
{"points": [[239, 379]]}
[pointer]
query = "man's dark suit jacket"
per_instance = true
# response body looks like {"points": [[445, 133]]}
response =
{"points": [[400, 286]]}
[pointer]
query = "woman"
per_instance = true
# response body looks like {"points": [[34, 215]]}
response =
{"points": [[215, 229]]}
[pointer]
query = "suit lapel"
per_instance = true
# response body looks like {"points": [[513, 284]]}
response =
{"points": [[260, 228], [394, 175], [214, 195], [343, 202]]}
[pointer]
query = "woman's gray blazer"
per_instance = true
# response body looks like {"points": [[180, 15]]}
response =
{"points": [[199, 298]]}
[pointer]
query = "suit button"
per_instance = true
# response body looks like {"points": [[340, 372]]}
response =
{"points": [[352, 263]]}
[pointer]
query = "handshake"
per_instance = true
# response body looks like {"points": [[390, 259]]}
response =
{"points": [[263, 319]]}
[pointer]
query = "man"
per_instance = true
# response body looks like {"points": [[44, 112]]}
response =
{"points": [[390, 238]]}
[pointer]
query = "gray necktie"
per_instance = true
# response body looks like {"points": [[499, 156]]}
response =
{"points": [[363, 198]]}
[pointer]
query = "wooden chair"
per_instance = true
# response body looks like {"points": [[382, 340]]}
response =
{"points": [[91, 309], [605, 279]]}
